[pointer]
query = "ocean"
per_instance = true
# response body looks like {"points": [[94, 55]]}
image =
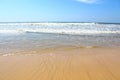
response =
{"points": [[38, 36]]}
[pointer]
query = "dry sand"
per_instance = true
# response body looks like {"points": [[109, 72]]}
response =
{"points": [[77, 64]]}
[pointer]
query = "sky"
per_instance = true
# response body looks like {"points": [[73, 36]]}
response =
{"points": [[60, 10]]}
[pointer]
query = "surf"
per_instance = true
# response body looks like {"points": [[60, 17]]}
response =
{"points": [[60, 28]]}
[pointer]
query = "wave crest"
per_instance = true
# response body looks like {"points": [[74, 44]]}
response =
{"points": [[61, 28]]}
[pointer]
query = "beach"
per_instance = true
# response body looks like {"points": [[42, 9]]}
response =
{"points": [[74, 64], [59, 51], [59, 39]]}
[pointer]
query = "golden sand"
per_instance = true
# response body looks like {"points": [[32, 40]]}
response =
{"points": [[77, 64]]}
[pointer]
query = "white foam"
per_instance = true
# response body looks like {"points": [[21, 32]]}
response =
{"points": [[61, 28], [7, 55], [72, 31]]}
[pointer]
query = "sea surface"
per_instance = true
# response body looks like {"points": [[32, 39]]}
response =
{"points": [[32, 36]]}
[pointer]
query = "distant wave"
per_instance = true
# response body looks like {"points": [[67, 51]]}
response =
{"points": [[61, 28]]}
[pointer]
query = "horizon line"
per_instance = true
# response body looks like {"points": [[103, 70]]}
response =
{"points": [[58, 22]]}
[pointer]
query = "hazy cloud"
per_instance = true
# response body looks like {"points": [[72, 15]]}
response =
{"points": [[88, 1]]}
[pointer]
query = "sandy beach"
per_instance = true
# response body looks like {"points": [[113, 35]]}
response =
{"points": [[74, 64], [59, 39]]}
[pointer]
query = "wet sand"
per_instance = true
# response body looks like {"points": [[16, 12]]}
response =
{"points": [[74, 64]]}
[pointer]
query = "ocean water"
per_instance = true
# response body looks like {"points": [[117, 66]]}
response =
{"points": [[32, 36]]}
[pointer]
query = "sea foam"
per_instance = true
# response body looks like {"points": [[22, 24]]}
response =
{"points": [[60, 28]]}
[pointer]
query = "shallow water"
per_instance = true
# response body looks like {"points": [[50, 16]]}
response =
{"points": [[39, 41]]}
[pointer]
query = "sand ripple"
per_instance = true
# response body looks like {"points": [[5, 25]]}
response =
{"points": [[64, 65]]}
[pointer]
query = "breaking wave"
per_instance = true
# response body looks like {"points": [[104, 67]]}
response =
{"points": [[60, 28]]}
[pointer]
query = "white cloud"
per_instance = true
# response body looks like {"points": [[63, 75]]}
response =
{"points": [[88, 1]]}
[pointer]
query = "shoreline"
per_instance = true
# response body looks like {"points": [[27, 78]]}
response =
{"points": [[39, 51]]}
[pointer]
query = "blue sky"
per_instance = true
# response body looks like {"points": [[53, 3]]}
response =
{"points": [[60, 10]]}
